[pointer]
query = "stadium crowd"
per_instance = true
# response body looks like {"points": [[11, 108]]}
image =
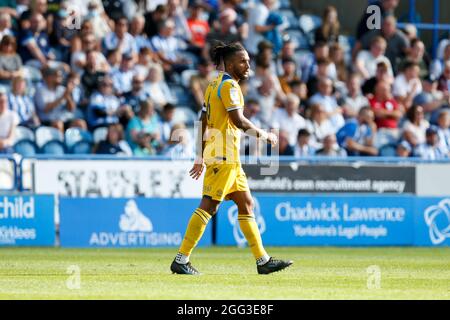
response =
{"points": [[127, 76]]}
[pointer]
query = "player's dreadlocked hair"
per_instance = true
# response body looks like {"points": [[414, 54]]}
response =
{"points": [[221, 52]]}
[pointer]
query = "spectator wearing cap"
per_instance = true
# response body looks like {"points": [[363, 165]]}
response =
{"points": [[397, 42], [331, 148], [388, 113], [289, 74], [137, 31], [319, 125], [303, 148], [103, 105], [443, 129], [8, 123], [403, 149], [121, 39], [431, 98], [199, 82], [288, 118], [353, 99], [137, 93], [415, 126], [169, 48], [158, 88], [431, 149], [10, 61], [438, 65], [21, 103], [123, 76], [54, 102], [407, 84], [367, 60], [325, 97], [357, 135]]}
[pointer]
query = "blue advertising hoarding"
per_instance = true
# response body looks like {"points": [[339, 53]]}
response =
{"points": [[324, 220], [432, 225], [27, 220], [121, 222]]}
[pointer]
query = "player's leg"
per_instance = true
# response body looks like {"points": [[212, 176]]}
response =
{"points": [[249, 227], [194, 231]]}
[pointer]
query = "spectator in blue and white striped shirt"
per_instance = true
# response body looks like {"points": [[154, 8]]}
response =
{"points": [[20, 102], [431, 149]]}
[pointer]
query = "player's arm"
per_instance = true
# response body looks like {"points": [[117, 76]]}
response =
{"points": [[197, 169], [240, 121]]}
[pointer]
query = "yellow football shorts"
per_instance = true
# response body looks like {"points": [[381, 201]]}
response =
{"points": [[223, 179]]}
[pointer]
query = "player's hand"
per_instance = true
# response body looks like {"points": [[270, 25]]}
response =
{"points": [[272, 138], [197, 169]]}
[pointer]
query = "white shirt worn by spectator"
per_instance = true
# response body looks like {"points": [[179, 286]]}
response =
{"points": [[444, 139], [370, 62], [425, 151], [111, 42], [291, 124], [257, 16], [159, 93], [170, 46], [304, 151], [403, 87], [45, 96], [330, 104], [319, 132], [419, 132], [8, 120]]}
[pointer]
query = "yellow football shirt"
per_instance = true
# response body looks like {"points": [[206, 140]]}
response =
{"points": [[223, 140]]}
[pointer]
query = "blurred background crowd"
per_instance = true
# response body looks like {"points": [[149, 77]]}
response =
{"points": [[128, 77]]}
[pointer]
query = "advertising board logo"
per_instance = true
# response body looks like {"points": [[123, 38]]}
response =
{"points": [[233, 219], [438, 220], [134, 220]]}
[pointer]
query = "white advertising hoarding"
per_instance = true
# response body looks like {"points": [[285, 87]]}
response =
{"points": [[116, 178]]}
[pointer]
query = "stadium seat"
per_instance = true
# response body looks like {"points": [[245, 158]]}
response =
{"points": [[388, 150], [181, 94], [78, 141], [290, 17], [186, 76], [300, 40], [100, 134], [50, 141], [24, 142], [309, 22], [185, 115]]}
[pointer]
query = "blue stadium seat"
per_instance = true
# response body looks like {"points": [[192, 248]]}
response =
{"points": [[309, 22], [290, 17], [182, 95], [24, 142], [185, 115], [300, 40], [388, 150], [50, 140], [78, 141]]}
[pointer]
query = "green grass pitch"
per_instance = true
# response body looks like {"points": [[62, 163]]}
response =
{"points": [[228, 273]]}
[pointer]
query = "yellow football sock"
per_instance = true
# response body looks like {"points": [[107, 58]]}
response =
{"points": [[250, 230], [196, 227]]}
